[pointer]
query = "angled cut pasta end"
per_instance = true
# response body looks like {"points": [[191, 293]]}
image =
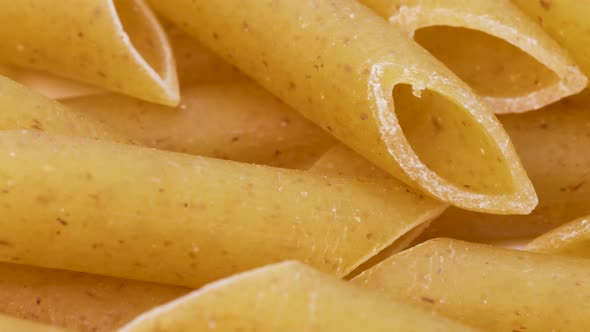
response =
{"points": [[502, 54], [117, 45], [447, 142], [149, 46]]}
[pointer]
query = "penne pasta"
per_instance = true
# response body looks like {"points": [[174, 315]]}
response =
{"points": [[48, 85], [195, 64], [11, 324], [571, 239], [488, 287], [158, 216], [23, 109], [494, 47], [341, 161], [552, 144], [236, 121], [77, 301], [567, 22], [113, 44], [287, 297], [374, 89]]}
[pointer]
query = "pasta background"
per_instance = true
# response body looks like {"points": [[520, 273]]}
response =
{"points": [[294, 165]]}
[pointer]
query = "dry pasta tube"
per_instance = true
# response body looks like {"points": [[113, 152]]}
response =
{"points": [[341, 161], [114, 44], [567, 22], [77, 301], [571, 239], [373, 88], [195, 64], [552, 144], [159, 216], [48, 85], [237, 121], [287, 297], [12, 324], [491, 288], [21, 108], [494, 47]]}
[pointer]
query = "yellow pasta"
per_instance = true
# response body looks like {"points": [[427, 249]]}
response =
{"points": [[552, 144], [571, 239], [567, 22], [114, 44], [77, 301], [23, 109], [237, 121], [345, 68], [196, 64], [287, 297], [488, 287], [11, 324], [494, 47], [341, 161], [165, 217], [48, 85]]}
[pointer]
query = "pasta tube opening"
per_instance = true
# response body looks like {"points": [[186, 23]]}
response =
{"points": [[143, 35], [113, 44], [491, 45], [493, 67], [441, 133]]}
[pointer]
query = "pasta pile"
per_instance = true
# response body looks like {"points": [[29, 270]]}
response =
{"points": [[287, 165]]}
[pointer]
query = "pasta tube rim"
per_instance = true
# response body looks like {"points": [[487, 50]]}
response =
{"points": [[546, 51]]}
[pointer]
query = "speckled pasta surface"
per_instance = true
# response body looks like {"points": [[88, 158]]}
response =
{"points": [[552, 145], [493, 46], [236, 121], [114, 44], [289, 297], [491, 288], [567, 22], [159, 216], [21, 108], [571, 239], [77, 301], [373, 88], [11, 324]]}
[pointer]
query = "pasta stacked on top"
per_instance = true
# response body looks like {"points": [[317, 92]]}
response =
{"points": [[263, 165]]}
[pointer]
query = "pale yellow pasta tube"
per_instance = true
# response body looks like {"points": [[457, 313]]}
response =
{"points": [[373, 88], [196, 64], [114, 44], [341, 161], [24, 109], [567, 22], [237, 121], [288, 297], [571, 239], [12, 324], [491, 288], [165, 217], [494, 47], [77, 301], [48, 85], [552, 144]]}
